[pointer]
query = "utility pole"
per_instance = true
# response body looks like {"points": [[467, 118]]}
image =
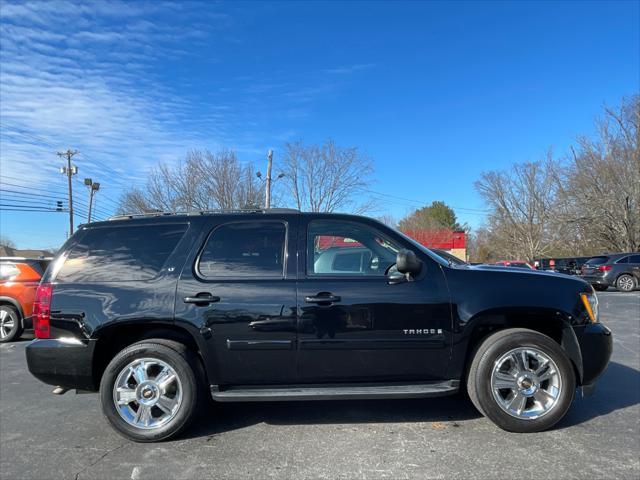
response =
{"points": [[70, 172], [93, 188], [267, 199]]}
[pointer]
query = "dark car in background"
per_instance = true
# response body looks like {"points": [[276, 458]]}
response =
{"points": [[620, 270], [567, 265], [514, 264]]}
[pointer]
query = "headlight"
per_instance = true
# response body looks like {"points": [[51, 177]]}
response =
{"points": [[590, 301]]}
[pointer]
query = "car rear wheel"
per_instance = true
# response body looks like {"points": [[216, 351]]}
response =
{"points": [[10, 324], [521, 380], [600, 288], [625, 283], [149, 391]]}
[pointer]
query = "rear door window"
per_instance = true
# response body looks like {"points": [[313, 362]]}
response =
{"points": [[121, 253], [634, 259], [596, 261], [623, 260], [245, 249]]}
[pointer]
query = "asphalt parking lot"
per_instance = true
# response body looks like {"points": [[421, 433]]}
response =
{"points": [[47, 436]]}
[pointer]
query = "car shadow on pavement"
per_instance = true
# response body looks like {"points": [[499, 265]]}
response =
{"points": [[617, 388], [223, 417]]}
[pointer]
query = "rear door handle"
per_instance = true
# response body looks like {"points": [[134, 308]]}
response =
{"points": [[323, 299], [202, 298]]}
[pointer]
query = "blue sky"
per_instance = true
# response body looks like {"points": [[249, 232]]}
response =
{"points": [[435, 93]]}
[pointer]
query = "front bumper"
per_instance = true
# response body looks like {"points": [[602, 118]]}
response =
{"points": [[62, 362], [596, 344]]}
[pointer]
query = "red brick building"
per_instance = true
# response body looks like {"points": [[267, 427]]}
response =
{"points": [[454, 242]]}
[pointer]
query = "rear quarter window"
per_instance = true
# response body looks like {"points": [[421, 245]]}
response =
{"points": [[123, 253], [8, 271]]}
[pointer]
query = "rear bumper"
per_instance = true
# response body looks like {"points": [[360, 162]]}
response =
{"points": [[596, 345], [597, 279], [60, 362]]}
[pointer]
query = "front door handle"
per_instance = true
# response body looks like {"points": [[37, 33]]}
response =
{"points": [[320, 298], [202, 298]]}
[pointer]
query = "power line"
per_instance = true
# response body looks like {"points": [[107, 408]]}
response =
{"points": [[32, 188], [13, 205], [420, 202], [47, 190], [25, 134], [30, 210], [9, 198], [16, 192]]}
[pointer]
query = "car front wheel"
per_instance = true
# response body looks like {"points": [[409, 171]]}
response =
{"points": [[149, 391], [521, 380], [625, 283]]}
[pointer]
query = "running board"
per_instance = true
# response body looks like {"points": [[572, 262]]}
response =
{"points": [[351, 391]]}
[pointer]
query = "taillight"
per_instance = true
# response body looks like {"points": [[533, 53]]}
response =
{"points": [[42, 311], [605, 268]]}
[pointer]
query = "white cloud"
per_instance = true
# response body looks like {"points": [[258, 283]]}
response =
{"points": [[88, 84], [90, 76]]}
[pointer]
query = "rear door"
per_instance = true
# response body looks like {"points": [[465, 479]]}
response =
{"points": [[239, 291], [354, 325], [634, 266]]}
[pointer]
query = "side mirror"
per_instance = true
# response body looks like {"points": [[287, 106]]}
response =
{"points": [[408, 263]]}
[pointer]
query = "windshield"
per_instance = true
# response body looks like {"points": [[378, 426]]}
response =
{"points": [[448, 256], [596, 261]]}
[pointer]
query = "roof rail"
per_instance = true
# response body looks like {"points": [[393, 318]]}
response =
{"points": [[204, 212]]}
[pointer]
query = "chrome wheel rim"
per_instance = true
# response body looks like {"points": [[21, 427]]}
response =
{"points": [[7, 324], [526, 383], [626, 283], [147, 393]]}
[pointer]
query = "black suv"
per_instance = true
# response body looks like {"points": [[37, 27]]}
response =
{"points": [[153, 311], [620, 270]]}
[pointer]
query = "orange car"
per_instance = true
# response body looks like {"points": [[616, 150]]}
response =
{"points": [[19, 278]]}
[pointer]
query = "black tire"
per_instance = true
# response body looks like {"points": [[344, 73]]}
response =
{"points": [[12, 332], [181, 360], [481, 368], [626, 283], [600, 288]]}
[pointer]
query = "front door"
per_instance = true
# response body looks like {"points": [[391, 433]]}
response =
{"points": [[355, 325], [239, 291]]}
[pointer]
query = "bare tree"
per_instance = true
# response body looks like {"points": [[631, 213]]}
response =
{"points": [[482, 248], [7, 242], [600, 188], [203, 181], [521, 223], [327, 178], [388, 220]]}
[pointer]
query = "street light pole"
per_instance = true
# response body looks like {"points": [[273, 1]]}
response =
{"points": [[93, 188], [267, 199]]}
